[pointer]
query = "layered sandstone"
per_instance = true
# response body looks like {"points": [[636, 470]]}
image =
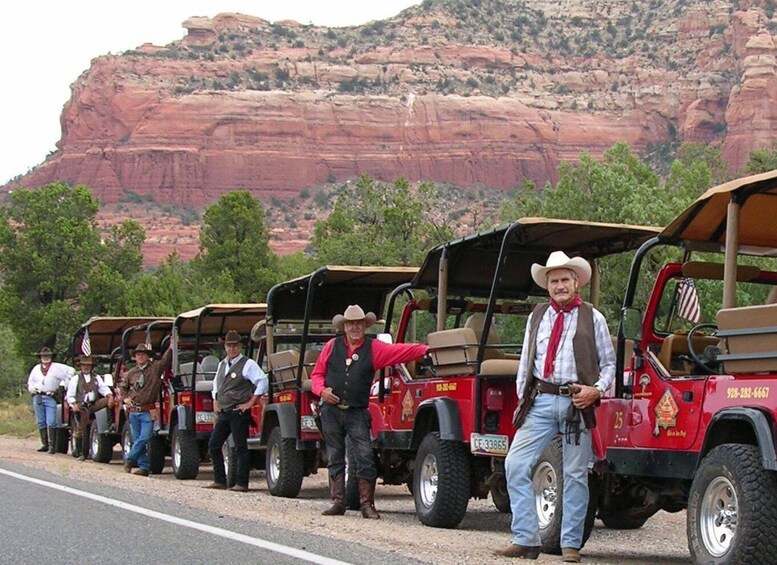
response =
{"points": [[483, 94]]}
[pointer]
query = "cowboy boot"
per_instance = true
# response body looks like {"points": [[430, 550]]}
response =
{"points": [[367, 499], [52, 440], [337, 487], [80, 448], [44, 440]]}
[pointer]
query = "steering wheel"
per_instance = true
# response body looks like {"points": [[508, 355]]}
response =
{"points": [[707, 356]]}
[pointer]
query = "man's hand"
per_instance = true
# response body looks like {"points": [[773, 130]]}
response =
{"points": [[245, 406], [584, 396], [329, 397], [127, 401], [110, 401], [76, 407]]}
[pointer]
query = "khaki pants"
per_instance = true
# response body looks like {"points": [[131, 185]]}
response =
{"points": [[84, 416]]}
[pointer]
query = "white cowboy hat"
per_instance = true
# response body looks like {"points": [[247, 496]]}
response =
{"points": [[354, 313], [560, 260]]}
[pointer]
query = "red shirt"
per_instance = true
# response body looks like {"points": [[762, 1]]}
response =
{"points": [[383, 355]]}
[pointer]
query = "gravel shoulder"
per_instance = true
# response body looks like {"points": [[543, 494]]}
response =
{"points": [[399, 531]]}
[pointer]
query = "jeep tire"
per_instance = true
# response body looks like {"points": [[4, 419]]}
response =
{"points": [[441, 482], [126, 440], [185, 454], [156, 454], [500, 497], [284, 465], [547, 482], [101, 445], [732, 508]]}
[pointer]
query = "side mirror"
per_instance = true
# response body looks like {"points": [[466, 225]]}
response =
{"points": [[631, 323], [108, 380], [385, 338]]}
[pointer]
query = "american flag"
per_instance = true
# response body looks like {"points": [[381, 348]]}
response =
{"points": [[688, 301], [86, 344]]}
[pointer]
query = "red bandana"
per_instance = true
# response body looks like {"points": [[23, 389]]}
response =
{"points": [[556, 332]]}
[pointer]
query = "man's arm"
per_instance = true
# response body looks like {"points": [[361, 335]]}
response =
{"points": [[70, 395], [31, 382], [387, 354], [523, 364], [318, 375], [163, 364], [254, 373]]}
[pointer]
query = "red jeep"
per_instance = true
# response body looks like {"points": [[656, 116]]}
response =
{"points": [[444, 429], [186, 417], [299, 322], [107, 343], [692, 425]]}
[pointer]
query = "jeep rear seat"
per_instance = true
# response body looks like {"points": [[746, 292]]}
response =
{"points": [[283, 365], [453, 352], [675, 346], [762, 320]]}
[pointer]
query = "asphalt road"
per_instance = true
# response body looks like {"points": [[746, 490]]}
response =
{"points": [[57, 521]]}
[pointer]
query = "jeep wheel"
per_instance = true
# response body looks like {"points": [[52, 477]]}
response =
{"points": [[61, 440], [101, 445], [622, 518], [441, 482], [284, 466], [732, 508], [185, 454], [156, 454], [351, 483], [501, 498], [547, 482], [126, 440], [230, 463]]}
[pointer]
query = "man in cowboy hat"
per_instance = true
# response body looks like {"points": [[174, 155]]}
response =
{"points": [[43, 383], [237, 387], [86, 395], [567, 363], [342, 379], [139, 391]]}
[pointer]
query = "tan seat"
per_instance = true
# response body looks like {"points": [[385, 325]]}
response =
{"points": [[283, 367], [453, 352], [499, 367], [477, 322], [749, 317], [675, 346]]}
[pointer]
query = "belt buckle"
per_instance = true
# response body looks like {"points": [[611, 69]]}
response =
{"points": [[563, 390], [343, 406]]}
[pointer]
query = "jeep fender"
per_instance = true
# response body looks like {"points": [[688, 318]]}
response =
{"points": [[446, 413], [759, 422], [286, 415], [101, 419], [181, 417]]}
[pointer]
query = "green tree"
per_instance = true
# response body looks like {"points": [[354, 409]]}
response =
{"points": [[13, 368], [48, 241], [761, 161], [381, 224], [234, 243]]}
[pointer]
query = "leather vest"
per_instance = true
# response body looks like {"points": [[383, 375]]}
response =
{"points": [[232, 388], [83, 388], [352, 381], [583, 344]]}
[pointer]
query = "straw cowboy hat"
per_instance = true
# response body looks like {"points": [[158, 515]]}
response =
{"points": [[560, 260], [354, 313], [44, 352]]}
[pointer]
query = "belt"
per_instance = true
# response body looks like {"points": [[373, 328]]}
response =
{"points": [[550, 388], [343, 406], [140, 407]]}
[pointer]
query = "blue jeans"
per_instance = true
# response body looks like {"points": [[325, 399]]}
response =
{"points": [[45, 412], [546, 419], [236, 423], [355, 423], [142, 427]]}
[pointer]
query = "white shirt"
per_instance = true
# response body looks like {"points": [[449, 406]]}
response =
{"points": [[565, 368], [72, 387], [251, 372], [57, 374]]}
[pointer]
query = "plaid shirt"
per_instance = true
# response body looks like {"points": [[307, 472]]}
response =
{"points": [[565, 369]]}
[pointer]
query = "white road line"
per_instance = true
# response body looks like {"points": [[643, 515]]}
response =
{"points": [[234, 536]]}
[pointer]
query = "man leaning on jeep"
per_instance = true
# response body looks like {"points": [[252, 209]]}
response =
{"points": [[139, 392]]}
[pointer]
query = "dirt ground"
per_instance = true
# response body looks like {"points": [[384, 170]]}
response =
{"points": [[483, 529]]}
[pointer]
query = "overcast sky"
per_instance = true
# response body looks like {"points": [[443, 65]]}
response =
{"points": [[46, 46]]}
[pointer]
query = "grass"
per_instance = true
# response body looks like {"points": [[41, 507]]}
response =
{"points": [[16, 417]]}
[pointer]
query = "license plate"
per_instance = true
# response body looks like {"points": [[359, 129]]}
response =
{"points": [[488, 444], [308, 424], [205, 418]]}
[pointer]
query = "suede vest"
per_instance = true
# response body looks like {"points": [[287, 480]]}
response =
{"points": [[233, 390], [351, 382], [83, 388], [583, 344]]}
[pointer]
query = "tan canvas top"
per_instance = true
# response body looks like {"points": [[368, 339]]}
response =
{"points": [[105, 332], [218, 319], [704, 221]]}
